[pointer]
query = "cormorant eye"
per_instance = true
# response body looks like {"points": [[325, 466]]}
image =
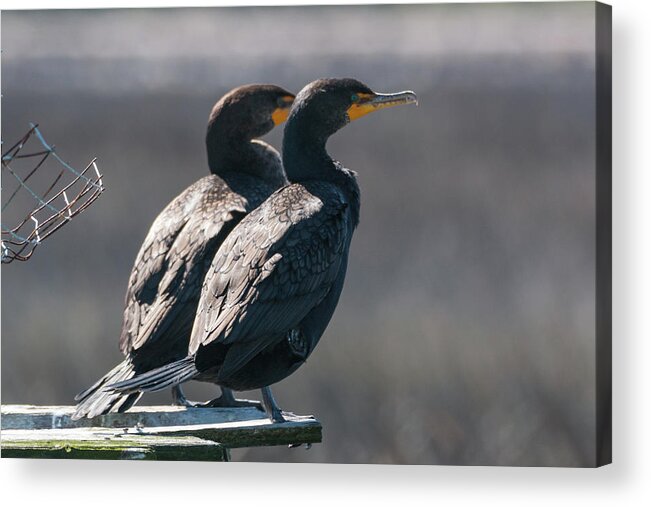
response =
{"points": [[354, 97], [280, 101]]}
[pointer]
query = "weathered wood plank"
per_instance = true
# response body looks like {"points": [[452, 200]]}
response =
{"points": [[231, 427], [89, 443]]}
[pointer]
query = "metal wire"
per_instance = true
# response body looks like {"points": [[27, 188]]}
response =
{"points": [[68, 193]]}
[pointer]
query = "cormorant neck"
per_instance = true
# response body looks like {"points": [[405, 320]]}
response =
{"points": [[305, 159], [230, 153], [305, 156], [227, 152]]}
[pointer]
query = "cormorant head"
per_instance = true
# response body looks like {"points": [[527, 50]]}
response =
{"points": [[326, 105], [248, 112], [237, 121]]}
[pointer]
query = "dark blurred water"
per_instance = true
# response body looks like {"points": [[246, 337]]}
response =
{"points": [[465, 333]]}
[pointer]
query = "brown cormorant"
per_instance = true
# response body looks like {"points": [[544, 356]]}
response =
{"points": [[275, 281], [165, 283]]}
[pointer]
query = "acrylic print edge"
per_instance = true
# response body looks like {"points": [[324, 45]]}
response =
{"points": [[603, 83]]}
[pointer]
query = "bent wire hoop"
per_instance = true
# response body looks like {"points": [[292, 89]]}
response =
{"points": [[70, 193]]}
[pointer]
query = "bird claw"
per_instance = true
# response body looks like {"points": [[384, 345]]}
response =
{"points": [[277, 417], [187, 403], [225, 400], [234, 402], [179, 399], [307, 446]]}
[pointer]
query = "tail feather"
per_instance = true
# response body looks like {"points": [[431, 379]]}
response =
{"points": [[158, 379], [97, 400]]}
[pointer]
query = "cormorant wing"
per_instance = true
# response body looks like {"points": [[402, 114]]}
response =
{"points": [[167, 275], [277, 264]]}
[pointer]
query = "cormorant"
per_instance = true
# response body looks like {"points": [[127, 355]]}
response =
{"points": [[275, 281], [165, 283]]}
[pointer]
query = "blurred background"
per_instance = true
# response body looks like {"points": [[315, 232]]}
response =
{"points": [[465, 331]]}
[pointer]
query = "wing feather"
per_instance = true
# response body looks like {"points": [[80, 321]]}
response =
{"points": [[275, 266], [166, 279]]}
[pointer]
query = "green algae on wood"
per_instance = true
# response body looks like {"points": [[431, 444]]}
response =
{"points": [[88, 444]]}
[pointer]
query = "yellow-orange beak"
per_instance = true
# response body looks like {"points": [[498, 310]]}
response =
{"points": [[282, 112], [370, 102]]}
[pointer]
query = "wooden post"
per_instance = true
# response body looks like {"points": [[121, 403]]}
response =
{"points": [[157, 432]]}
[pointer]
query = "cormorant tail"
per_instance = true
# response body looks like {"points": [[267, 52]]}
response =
{"points": [[158, 379], [96, 400]]}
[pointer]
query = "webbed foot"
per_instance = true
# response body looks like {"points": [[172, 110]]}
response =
{"points": [[227, 399], [179, 399], [230, 401]]}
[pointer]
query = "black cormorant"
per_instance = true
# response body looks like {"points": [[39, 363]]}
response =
{"points": [[275, 281], [165, 283]]}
